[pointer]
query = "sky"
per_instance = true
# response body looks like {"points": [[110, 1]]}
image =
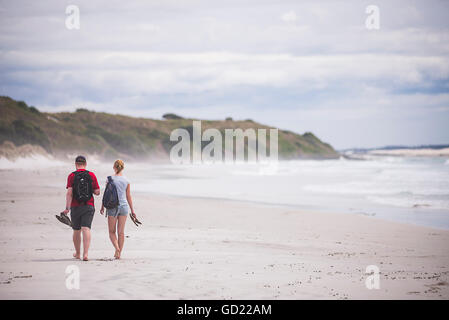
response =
{"points": [[297, 65]]}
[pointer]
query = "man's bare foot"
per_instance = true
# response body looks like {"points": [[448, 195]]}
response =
{"points": [[76, 255], [85, 258]]}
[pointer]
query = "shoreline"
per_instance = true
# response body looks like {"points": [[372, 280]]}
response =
{"points": [[410, 152], [317, 210], [371, 210]]}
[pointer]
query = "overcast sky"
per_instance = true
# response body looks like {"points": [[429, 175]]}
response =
{"points": [[303, 66]]}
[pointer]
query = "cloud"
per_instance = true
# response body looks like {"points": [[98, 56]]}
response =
{"points": [[289, 16], [197, 72], [299, 65]]}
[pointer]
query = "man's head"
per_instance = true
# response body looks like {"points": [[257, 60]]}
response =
{"points": [[80, 162]]}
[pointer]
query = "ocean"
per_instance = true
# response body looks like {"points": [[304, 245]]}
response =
{"points": [[404, 189]]}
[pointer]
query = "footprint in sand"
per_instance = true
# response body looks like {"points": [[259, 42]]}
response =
{"points": [[106, 259]]}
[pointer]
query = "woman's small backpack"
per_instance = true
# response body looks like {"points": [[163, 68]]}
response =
{"points": [[110, 196]]}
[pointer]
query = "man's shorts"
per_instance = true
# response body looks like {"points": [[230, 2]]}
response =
{"points": [[121, 210], [82, 216]]}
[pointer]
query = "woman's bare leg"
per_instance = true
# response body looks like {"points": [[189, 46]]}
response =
{"points": [[112, 221], [121, 232]]}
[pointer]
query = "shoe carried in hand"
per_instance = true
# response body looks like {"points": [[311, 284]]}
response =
{"points": [[134, 219], [62, 217]]}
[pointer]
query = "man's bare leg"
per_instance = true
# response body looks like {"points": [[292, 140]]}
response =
{"points": [[86, 242], [77, 243]]}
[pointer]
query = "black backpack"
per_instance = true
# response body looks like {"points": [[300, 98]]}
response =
{"points": [[82, 186], [110, 196]]}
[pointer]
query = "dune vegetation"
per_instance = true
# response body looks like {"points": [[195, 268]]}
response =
{"points": [[112, 135]]}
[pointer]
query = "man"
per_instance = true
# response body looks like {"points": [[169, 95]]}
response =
{"points": [[81, 184]]}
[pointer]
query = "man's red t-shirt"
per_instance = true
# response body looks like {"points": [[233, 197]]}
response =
{"points": [[95, 186]]}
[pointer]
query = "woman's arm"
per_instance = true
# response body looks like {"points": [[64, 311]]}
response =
{"points": [[102, 205], [129, 199]]}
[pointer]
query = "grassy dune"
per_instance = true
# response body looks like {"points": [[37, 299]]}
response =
{"points": [[111, 135]]}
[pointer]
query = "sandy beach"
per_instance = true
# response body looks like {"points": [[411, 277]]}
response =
{"points": [[194, 248]]}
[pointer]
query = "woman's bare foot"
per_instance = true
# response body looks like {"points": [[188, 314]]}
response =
{"points": [[85, 258], [76, 255], [117, 254]]}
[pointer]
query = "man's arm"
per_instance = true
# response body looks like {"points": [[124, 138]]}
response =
{"points": [[68, 200], [95, 185]]}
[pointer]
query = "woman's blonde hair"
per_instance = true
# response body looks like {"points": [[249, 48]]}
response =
{"points": [[119, 165]]}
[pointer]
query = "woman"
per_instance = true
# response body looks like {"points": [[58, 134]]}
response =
{"points": [[117, 216]]}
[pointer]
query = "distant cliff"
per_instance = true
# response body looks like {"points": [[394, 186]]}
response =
{"points": [[111, 136]]}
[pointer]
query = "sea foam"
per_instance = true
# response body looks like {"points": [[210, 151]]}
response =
{"points": [[30, 162]]}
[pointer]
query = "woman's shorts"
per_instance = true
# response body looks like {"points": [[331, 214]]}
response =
{"points": [[121, 210]]}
